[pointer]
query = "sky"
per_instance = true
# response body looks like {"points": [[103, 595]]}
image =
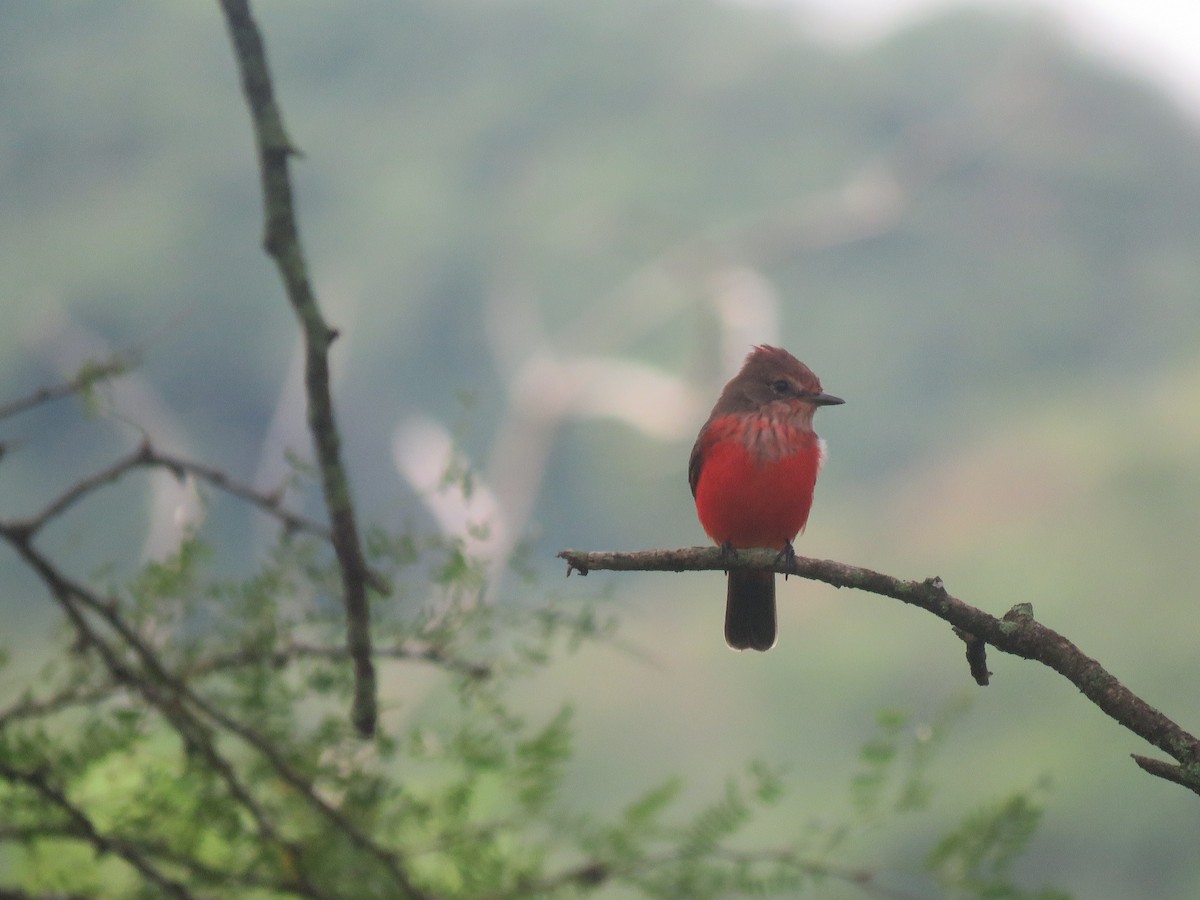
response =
{"points": [[1157, 39]]}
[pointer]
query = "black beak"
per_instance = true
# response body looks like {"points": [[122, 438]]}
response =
{"points": [[824, 400]]}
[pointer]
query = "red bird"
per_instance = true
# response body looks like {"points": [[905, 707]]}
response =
{"points": [[752, 472]]}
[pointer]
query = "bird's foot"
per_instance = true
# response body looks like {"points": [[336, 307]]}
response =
{"points": [[786, 555], [728, 553]]}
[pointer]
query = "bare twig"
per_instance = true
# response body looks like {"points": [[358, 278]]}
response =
{"points": [[88, 375], [148, 456], [1017, 633], [413, 651], [267, 502], [69, 697], [976, 657], [1184, 775], [282, 243]]}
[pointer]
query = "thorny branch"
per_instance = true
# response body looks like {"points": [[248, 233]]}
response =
{"points": [[1017, 633], [281, 240]]}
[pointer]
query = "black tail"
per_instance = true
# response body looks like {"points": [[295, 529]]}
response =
{"points": [[750, 610]]}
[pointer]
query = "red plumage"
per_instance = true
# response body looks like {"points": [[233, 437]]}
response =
{"points": [[753, 469]]}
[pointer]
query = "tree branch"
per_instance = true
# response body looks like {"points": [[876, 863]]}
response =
{"points": [[152, 682], [89, 374], [134, 663], [1017, 633], [82, 826], [281, 240], [153, 849], [148, 456], [76, 696], [278, 657]]}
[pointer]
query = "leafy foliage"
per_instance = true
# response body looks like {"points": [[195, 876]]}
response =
{"points": [[976, 859], [200, 748]]}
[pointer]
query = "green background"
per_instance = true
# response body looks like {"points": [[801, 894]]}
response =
{"points": [[1016, 337]]}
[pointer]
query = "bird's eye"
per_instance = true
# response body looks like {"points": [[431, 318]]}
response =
{"points": [[781, 386]]}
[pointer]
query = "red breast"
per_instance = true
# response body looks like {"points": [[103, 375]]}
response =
{"points": [[755, 487]]}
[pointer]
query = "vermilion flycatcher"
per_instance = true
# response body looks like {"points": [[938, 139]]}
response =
{"points": [[752, 471]]}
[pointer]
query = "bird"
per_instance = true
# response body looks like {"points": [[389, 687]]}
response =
{"points": [[752, 472]]}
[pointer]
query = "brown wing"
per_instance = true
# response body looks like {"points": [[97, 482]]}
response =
{"points": [[694, 463]]}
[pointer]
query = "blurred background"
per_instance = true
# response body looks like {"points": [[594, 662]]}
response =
{"points": [[549, 231]]}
